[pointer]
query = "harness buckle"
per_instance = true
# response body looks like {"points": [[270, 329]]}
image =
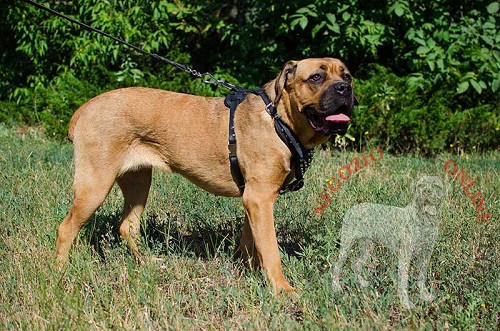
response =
{"points": [[269, 110], [232, 149]]}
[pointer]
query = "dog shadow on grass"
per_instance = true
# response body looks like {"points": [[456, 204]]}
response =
{"points": [[161, 235]]}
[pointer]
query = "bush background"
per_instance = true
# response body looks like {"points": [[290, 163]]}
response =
{"points": [[427, 72]]}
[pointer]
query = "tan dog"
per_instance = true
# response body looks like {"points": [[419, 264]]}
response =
{"points": [[122, 134]]}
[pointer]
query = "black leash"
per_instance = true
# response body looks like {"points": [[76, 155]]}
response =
{"points": [[301, 157], [206, 76]]}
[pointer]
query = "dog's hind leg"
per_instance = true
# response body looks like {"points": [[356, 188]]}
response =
{"points": [[345, 246], [365, 250], [247, 246], [90, 189], [135, 187]]}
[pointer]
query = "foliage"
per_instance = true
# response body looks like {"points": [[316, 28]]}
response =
{"points": [[53, 104], [464, 49], [404, 117], [442, 56]]}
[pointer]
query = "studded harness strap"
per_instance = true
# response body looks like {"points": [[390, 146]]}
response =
{"points": [[301, 157]]}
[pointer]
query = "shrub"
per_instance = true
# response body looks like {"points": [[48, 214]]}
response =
{"points": [[436, 85], [402, 117]]}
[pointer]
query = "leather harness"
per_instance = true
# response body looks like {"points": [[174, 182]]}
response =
{"points": [[301, 157]]}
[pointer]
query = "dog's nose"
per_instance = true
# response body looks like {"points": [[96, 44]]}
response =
{"points": [[342, 88]]}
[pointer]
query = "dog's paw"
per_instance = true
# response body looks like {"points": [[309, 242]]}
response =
{"points": [[293, 294], [427, 296], [407, 304], [363, 282], [286, 291], [336, 285], [61, 262]]}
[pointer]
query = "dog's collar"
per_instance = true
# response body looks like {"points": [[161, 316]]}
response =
{"points": [[301, 157]]}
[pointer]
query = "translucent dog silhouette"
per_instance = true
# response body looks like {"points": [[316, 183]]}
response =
{"points": [[411, 232]]}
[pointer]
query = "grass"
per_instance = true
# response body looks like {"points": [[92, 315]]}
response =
{"points": [[198, 284]]}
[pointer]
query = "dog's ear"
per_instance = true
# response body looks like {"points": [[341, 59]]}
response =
{"points": [[286, 74]]}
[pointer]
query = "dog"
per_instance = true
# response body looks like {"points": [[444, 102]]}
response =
{"points": [[410, 232], [120, 135]]}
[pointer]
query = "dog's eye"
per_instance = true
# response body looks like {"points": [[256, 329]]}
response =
{"points": [[316, 78], [346, 77]]}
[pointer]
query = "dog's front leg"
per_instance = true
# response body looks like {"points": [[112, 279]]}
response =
{"points": [[403, 272], [423, 264], [258, 202]]}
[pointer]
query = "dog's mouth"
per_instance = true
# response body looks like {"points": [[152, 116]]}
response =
{"points": [[430, 210], [331, 123]]}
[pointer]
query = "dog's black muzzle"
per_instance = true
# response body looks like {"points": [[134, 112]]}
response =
{"points": [[334, 111], [342, 88]]}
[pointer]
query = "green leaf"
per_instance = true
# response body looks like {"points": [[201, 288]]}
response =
{"points": [[420, 41], [476, 86], [303, 10], [440, 64], [343, 8], [351, 138], [489, 26], [398, 9], [334, 28], [423, 50], [469, 75], [462, 87], [346, 16], [432, 65], [487, 39], [495, 84], [295, 21], [317, 28], [331, 18], [492, 7], [303, 22]]}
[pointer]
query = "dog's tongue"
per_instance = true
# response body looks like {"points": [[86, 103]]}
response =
{"points": [[340, 118]]}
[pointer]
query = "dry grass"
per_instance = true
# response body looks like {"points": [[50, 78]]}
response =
{"points": [[196, 283]]}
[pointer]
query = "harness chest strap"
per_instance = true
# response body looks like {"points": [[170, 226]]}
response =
{"points": [[301, 157], [232, 101]]}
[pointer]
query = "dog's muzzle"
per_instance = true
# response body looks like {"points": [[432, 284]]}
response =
{"points": [[332, 116]]}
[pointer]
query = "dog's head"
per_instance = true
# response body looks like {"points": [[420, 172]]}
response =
{"points": [[320, 90], [428, 193]]}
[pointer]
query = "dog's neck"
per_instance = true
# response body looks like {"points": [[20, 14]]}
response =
{"points": [[296, 119]]}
